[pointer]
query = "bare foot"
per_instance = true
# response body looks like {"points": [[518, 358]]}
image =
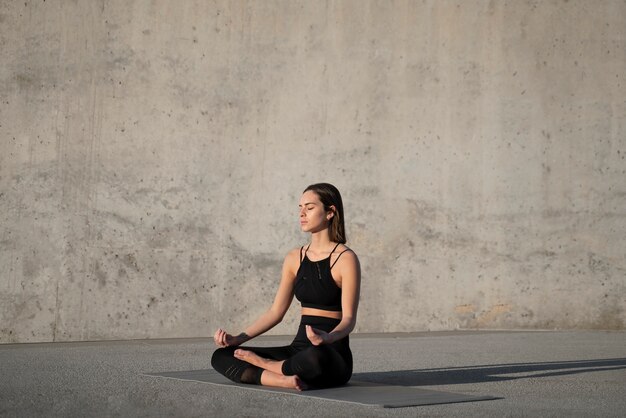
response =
{"points": [[299, 383], [278, 380], [250, 357]]}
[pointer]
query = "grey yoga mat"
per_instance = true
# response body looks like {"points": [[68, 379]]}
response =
{"points": [[365, 393]]}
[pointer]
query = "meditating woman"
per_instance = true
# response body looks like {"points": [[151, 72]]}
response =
{"points": [[325, 277]]}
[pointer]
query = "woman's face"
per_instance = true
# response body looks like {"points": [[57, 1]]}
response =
{"points": [[313, 217]]}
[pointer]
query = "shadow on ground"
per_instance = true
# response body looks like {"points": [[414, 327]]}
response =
{"points": [[489, 373]]}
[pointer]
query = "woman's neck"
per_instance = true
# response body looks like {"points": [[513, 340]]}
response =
{"points": [[320, 241]]}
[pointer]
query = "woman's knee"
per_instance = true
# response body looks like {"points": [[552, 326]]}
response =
{"points": [[308, 363], [220, 355], [320, 355]]}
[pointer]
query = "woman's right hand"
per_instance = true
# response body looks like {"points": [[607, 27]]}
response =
{"points": [[223, 339]]}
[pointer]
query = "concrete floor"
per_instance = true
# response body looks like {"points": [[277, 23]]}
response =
{"points": [[547, 373]]}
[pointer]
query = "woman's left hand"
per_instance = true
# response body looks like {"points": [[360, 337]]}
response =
{"points": [[317, 336]]}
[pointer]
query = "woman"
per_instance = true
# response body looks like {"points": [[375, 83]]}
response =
{"points": [[325, 277]]}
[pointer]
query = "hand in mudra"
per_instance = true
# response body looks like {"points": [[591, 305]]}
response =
{"points": [[316, 336], [223, 339]]}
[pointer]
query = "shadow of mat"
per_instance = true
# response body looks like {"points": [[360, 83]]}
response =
{"points": [[359, 392], [490, 373]]}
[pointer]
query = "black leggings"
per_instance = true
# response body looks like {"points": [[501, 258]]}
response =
{"points": [[319, 366]]}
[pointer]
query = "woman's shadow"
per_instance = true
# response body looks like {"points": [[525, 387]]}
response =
{"points": [[489, 373]]}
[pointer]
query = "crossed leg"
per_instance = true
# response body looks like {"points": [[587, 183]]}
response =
{"points": [[272, 370]]}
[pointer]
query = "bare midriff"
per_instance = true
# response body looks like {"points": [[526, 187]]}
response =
{"points": [[321, 312]]}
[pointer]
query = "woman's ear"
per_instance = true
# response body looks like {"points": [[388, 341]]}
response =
{"points": [[331, 212]]}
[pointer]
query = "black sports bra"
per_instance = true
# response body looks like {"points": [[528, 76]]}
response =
{"points": [[315, 286]]}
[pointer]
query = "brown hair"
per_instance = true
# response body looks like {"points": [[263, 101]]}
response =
{"points": [[329, 196]]}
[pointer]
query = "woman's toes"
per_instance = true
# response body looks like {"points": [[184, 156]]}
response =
{"points": [[300, 385]]}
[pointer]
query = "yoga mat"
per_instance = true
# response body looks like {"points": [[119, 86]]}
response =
{"points": [[364, 393]]}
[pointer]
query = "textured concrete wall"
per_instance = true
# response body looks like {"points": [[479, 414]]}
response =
{"points": [[153, 154]]}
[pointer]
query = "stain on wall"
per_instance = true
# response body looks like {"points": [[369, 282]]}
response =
{"points": [[152, 155]]}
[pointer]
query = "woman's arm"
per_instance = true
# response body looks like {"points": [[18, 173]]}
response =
{"points": [[275, 313], [349, 270]]}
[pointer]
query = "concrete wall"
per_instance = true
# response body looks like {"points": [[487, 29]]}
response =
{"points": [[153, 152]]}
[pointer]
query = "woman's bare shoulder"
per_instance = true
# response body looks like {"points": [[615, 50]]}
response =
{"points": [[346, 253], [293, 253], [343, 248], [293, 257]]}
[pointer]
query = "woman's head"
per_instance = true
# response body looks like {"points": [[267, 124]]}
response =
{"points": [[331, 204]]}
